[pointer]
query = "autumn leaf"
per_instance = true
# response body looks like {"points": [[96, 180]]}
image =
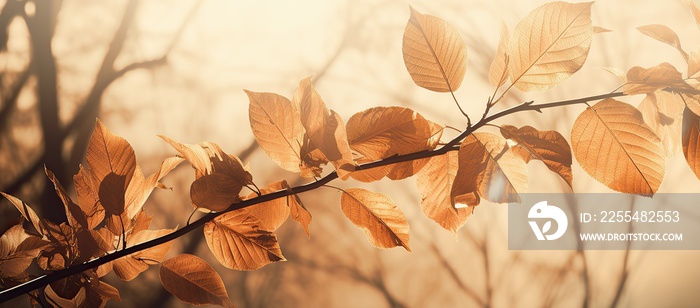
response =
{"points": [[26, 212], [544, 51], [76, 216], [549, 147], [324, 128], [620, 74], [664, 75], [692, 102], [17, 251], [238, 241], [498, 71], [598, 30], [488, 169], [193, 281], [694, 11], [57, 301], [694, 63], [298, 211], [665, 35], [612, 143], [376, 214], [208, 157], [127, 268], [434, 53], [88, 198], [140, 188], [215, 192], [112, 163], [272, 214], [663, 113], [691, 140], [381, 132], [276, 125], [434, 183]]}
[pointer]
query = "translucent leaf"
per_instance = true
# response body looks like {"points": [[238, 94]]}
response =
{"points": [[237, 240], [193, 281], [88, 198], [17, 251], [498, 71], [127, 268], [434, 53], [550, 147], [691, 140], [140, 188], [663, 113], [273, 213], [544, 51], [112, 163], [664, 75], [276, 125], [376, 214], [612, 143], [434, 183], [215, 192], [665, 35], [26, 212]]}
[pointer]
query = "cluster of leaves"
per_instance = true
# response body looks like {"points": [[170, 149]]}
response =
{"points": [[619, 145]]}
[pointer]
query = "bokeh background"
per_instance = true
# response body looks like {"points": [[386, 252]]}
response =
{"points": [[178, 68]]}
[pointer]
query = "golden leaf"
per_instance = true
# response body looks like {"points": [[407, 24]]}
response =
{"points": [[17, 251], [663, 113], [26, 212], [694, 11], [544, 51], [297, 210], [620, 74], [434, 182], [692, 102], [549, 147], [237, 240], [488, 169], [498, 71], [665, 35], [276, 125], [208, 158], [112, 163], [612, 143], [128, 267], [273, 213], [88, 198], [140, 188], [597, 30], [324, 128], [193, 281], [434, 53], [691, 140], [694, 63], [376, 214], [215, 192], [76, 216], [664, 75]]}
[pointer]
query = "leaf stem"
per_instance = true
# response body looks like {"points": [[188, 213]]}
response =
{"points": [[42, 281]]}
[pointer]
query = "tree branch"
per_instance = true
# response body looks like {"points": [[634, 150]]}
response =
{"points": [[44, 280]]}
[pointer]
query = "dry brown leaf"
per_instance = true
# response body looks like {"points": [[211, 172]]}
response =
{"points": [[26, 212], [127, 268], [550, 147], [140, 188], [488, 169], [612, 143], [76, 217], [692, 102], [545, 51], [381, 132], [208, 158], [663, 113], [59, 302], [641, 80], [238, 242], [434, 182], [193, 281], [665, 35], [273, 213], [691, 140], [17, 251], [498, 71], [324, 128], [434, 53], [112, 163], [298, 211], [215, 192], [694, 63], [88, 198], [276, 125], [376, 214]]}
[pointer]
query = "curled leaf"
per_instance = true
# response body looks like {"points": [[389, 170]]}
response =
{"points": [[665, 35], [215, 192], [376, 214], [663, 113], [642, 80]]}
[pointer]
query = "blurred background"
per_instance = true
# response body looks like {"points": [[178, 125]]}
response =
{"points": [[178, 68]]}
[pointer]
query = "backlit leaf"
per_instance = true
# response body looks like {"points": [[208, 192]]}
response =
{"points": [[694, 10], [597, 30], [88, 198], [691, 140], [26, 212], [273, 213], [127, 268], [498, 71], [215, 192], [376, 214], [298, 211], [663, 113], [550, 147], [238, 241], [665, 35], [324, 128], [434, 182], [193, 281], [76, 216], [208, 158], [694, 63], [112, 162], [664, 75], [612, 143], [276, 125], [140, 188], [434, 53], [17, 251], [544, 51]]}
